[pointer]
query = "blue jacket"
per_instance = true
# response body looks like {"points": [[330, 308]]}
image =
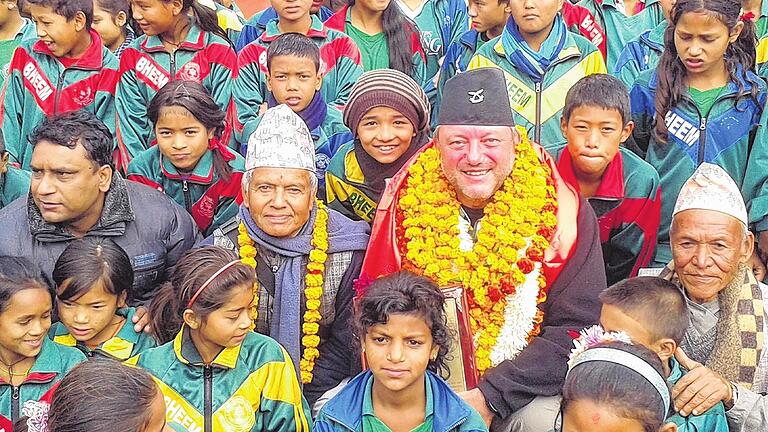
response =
{"points": [[345, 411], [640, 54], [258, 23]]}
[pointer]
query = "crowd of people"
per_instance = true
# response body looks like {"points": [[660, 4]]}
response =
{"points": [[384, 216]]}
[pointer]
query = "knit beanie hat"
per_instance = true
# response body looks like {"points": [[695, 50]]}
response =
{"points": [[387, 88]]}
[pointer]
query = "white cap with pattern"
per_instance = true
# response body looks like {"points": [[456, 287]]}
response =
{"points": [[282, 140], [711, 188]]}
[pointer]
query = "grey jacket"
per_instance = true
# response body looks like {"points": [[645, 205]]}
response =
{"points": [[148, 225]]}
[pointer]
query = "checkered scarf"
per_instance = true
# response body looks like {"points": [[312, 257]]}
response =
{"points": [[740, 327]]}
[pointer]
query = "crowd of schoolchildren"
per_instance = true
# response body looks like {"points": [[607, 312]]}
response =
{"points": [[182, 84]]}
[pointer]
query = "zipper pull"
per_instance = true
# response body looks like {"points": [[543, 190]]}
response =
{"points": [[15, 393], [275, 268], [703, 125], [185, 187], [537, 87]]}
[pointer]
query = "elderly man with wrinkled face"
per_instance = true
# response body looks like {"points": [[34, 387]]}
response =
{"points": [[296, 244], [724, 345]]}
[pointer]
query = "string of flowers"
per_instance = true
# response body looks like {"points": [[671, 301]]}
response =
{"points": [[515, 231], [313, 287]]}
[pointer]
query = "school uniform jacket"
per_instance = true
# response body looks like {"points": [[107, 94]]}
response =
{"points": [[51, 364], [27, 31], [145, 67], [538, 105], [249, 387], [640, 55], [340, 65], [581, 21], [122, 346], [39, 85], [207, 197], [762, 41], [345, 186], [13, 184], [627, 205], [255, 26], [733, 137]]}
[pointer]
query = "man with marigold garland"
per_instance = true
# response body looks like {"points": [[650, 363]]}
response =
{"points": [[484, 209], [306, 255]]}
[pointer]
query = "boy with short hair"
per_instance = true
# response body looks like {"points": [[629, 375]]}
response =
{"points": [[110, 20], [65, 69], [653, 312], [340, 67], [14, 182], [256, 25], [622, 189], [541, 60], [13, 29], [294, 79]]}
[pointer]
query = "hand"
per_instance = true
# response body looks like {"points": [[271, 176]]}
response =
{"points": [[758, 268], [263, 108], [700, 389], [141, 320], [476, 400]]}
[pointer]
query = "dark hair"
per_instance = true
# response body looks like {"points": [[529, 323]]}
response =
{"points": [[18, 274], [187, 276], [83, 403], [77, 127], [296, 45], [114, 7], [739, 58], [399, 31], [2, 143], [91, 260], [601, 91], [629, 395], [643, 297], [205, 17], [193, 97], [405, 292], [68, 8]]}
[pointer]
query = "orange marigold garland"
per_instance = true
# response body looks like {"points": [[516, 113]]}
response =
{"points": [[313, 287], [510, 245]]}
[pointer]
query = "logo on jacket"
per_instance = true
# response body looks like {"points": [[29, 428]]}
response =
{"points": [[35, 79], [237, 415], [476, 97], [83, 97], [206, 206], [190, 72], [149, 71]]}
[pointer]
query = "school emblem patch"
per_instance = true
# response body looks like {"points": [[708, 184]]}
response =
{"points": [[190, 72], [207, 205], [83, 97], [237, 415]]}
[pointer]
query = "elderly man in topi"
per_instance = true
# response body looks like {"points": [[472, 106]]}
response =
{"points": [[483, 212], [724, 346], [306, 255]]}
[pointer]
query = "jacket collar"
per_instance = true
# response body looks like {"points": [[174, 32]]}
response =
{"points": [[731, 89], [570, 49], [316, 30], [338, 20], [25, 25], [116, 214], [187, 353], [654, 38], [125, 338], [46, 364], [195, 41], [469, 39], [612, 184], [202, 173], [92, 58]]}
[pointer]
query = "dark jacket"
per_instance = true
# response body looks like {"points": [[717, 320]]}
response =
{"points": [[152, 229]]}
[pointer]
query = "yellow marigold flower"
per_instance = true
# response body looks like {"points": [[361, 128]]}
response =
{"points": [[311, 341], [312, 316], [313, 304], [310, 328]]}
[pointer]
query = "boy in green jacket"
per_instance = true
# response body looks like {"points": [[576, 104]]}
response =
{"points": [[13, 29], [14, 182]]}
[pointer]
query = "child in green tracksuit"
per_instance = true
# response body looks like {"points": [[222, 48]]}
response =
{"points": [[66, 69], [538, 69], [13, 29], [14, 182], [190, 163], [93, 277], [31, 365], [216, 373]]}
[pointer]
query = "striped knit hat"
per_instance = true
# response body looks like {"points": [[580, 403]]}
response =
{"points": [[388, 88]]}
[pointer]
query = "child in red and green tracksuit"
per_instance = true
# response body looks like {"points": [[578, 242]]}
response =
{"points": [[66, 72], [190, 163], [23, 28], [14, 182], [194, 53], [539, 77], [31, 365], [340, 67], [622, 189]]}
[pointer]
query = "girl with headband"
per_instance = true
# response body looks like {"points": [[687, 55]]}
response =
{"points": [[216, 373]]}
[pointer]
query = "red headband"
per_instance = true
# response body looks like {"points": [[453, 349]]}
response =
{"points": [[208, 282], [748, 16]]}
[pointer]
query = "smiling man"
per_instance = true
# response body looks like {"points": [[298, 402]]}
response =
{"points": [[306, 256], [484, 212]]}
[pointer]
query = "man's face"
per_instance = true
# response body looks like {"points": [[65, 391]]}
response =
{"points": [[707, 248], [279, 199], [66, 185], [293, 81], [476, 160], [535, 16]]}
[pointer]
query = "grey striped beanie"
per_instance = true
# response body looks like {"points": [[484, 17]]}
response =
{"points": [[389, 88]]}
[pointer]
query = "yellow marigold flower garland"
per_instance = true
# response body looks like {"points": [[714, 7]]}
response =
{"points": [[516, 229], [313, 287]]}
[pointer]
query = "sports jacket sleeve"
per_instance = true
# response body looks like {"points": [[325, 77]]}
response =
{"points": [[134, 130], [12, 108], [104, 105], [643, 111], [344, 75], [220, 81], [282, 407], [247, 92]]}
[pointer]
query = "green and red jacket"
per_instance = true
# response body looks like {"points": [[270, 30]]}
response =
{"points": [[249, 387], [122, 346], [40, 85], [732, 136], [619, 28], [13, 184], [51, 364], [628, 206], [207, 197], [538, 105], [340, 66], [7, 47], [640, 55], [581, 21], [146, 66]]}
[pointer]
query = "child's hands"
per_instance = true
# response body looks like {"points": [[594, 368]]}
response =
{"points": [[700, 389], [141, 320], [476, 400]]}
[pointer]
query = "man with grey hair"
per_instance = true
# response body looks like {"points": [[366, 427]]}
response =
{"points": [[306, 255]]}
